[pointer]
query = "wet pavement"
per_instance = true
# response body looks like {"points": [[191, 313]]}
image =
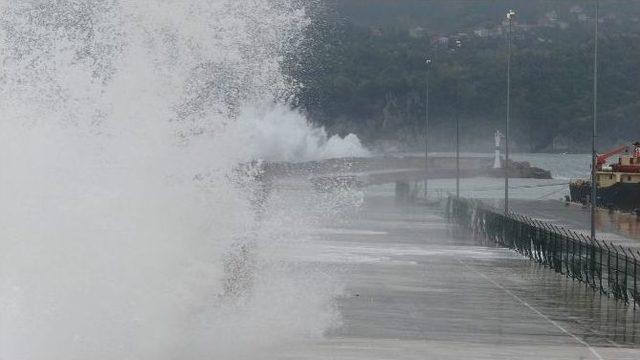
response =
{"points": [[614, 226], [542, 200], [419, 288]]}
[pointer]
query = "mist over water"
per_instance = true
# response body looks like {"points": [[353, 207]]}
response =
{"points": [[126, 231]]}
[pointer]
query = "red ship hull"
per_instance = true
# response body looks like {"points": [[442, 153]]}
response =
{"points": [[625, 168]]}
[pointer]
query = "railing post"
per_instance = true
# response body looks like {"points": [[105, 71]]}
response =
{"points": [[606, 249], [560, 262], [592, 257], [567, 251], [585, 259], [617, 269], [600, 249], [626, 264], [597, 271], [635, 281], [573, 258]]}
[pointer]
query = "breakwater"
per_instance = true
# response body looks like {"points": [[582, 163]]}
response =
{"points": [[607, 268]]}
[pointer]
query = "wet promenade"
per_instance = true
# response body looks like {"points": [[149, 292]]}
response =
{"points": [[619, 228], [419, 288]]}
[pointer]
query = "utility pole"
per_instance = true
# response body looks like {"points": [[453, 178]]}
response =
{"points": [[510, 15], [426, 134], [594, 154], [457, 115]]}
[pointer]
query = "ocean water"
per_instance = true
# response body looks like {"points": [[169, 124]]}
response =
{"points": [[562, 166]]}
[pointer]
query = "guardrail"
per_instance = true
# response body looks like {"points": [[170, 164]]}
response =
{"points": [[610, 269]]}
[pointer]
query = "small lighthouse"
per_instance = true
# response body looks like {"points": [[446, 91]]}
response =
{"points": [[497, 162]]}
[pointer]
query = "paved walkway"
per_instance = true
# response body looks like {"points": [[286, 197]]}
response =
{"points": [[418, 288]]}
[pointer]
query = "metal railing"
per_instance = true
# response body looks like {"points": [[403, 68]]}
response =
{"points": [[613, 270]]}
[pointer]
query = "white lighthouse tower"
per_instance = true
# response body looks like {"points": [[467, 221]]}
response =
{"points": [[497, 162]]}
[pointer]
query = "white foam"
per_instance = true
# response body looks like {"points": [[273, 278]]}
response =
{"points": [[281, 134], [122, 123]]}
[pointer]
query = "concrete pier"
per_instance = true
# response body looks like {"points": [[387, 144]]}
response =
{"points": [[363, 172], [419, 288]]}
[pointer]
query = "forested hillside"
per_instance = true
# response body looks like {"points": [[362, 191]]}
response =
{"points": [[365, 71]]}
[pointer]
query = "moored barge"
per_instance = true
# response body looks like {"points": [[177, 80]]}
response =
{"points": [[618, 184]]}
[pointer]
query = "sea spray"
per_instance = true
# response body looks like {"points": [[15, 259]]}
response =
{"points": [[281, 134], [123, 126]]}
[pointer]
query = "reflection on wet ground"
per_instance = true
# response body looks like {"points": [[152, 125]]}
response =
{"points": [[619, 228], [542, 199], [619, 222], [417, 287]]}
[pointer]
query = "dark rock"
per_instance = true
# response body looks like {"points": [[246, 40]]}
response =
{"points": [[522, 170]]}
